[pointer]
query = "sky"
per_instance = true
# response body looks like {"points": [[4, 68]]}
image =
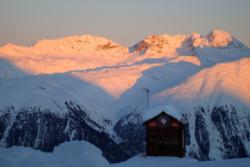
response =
{"points": [[24, 22]]}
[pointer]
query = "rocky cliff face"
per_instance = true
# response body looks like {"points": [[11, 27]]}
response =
{"points": [[43, 130], [218, 133]]}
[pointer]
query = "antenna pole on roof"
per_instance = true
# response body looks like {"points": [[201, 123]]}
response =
{"points": [[147, 96]]}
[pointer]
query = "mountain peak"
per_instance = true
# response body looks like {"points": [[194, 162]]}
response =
{"points": [[65, 54], [216, 39], [219, 38], [166, 44], [76, 43], [159, 43], [65, 45], [220, 33]]}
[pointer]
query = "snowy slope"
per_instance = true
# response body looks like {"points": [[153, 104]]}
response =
{"points": [[9, 71], [52, 91], [225, 83]]}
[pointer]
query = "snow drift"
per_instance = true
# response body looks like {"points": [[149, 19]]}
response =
{"points": [[73, 154], [78, 154]]}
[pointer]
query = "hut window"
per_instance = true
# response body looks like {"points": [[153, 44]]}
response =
{"points": [[152, 124], [175, 124]]}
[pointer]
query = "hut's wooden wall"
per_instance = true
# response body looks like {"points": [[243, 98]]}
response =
{"points": [[164, 139]]}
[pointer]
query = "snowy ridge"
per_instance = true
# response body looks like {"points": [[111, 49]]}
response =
{"points": [[213, 86], [65, 54], [169, 44], [90, 52]]}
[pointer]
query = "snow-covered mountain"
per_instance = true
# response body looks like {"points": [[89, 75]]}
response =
{"points": [[93, 87], [65, 54]]}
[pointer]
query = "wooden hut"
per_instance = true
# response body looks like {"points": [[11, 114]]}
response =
{"points": [[164, 131]]}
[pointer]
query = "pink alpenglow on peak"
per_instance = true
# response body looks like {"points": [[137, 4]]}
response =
{"points": [[219, 38], [91, 52], [65, 54], [216, 39]]}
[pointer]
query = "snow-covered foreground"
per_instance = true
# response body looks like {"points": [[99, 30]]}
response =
{"points": [[72, 154], [83, 154], [177, 162]]}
